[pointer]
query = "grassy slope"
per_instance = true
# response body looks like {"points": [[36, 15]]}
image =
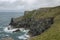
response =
{"points": [[52, 33]]}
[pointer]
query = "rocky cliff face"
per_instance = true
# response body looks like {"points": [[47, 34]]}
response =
{"points": [[37, 20]]}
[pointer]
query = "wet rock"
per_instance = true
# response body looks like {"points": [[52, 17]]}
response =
{"points": [[16, 30], [12, 23]]}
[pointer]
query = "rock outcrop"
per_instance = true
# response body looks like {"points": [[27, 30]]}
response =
{"points": [[36, 26]]}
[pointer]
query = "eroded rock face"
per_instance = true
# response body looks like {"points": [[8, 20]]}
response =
{"points": [[40, 26], [36, 27]]}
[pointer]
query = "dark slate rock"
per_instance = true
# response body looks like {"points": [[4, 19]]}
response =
{"points": [[36, 27]]}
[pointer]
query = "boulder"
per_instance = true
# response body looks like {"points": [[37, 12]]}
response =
{"points": [[16, 30]]}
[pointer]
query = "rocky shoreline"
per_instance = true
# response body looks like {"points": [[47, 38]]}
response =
{"points": [[36, 27], [11, 30], [36, 20]]}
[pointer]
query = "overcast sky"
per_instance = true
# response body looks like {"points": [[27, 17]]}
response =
{"points": [[21, 5]]}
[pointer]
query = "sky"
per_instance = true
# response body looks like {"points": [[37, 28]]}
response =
{"points": [[22, 5]]}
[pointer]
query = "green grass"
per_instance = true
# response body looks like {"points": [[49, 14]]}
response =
{"points": [[53, 33]]}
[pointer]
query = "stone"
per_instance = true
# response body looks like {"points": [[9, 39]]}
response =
{"points": [[16, 30]]}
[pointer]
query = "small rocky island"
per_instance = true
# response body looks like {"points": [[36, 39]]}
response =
{"points": [[36, 21]]}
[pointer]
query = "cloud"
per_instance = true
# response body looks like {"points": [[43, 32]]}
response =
{"points": [[21, 5], [34, 4], [11, 5]]}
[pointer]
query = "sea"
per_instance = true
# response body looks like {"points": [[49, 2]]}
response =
{"points": [[5, 18]]}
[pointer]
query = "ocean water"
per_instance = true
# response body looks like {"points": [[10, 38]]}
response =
{"points": [[5, 18]]}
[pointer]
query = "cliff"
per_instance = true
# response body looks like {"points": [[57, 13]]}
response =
{"points": [[43, 23]]}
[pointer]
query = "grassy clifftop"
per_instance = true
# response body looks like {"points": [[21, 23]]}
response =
{"points": [[41, 13]]}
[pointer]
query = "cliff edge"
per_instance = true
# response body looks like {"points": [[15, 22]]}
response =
{"points": [[44, 23]]}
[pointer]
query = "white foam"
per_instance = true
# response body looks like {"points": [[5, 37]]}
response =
{"points": [[24, 37], [27, 36], [7, 35], [23, 30], [9, 30]]}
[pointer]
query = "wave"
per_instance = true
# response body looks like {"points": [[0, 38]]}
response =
{"points": [[24, 37], [9, 29]]}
